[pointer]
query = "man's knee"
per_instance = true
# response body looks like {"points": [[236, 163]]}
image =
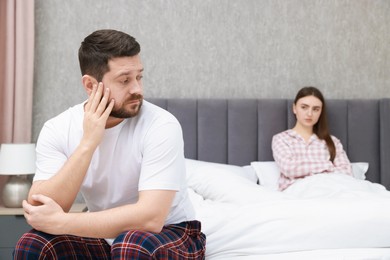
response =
{"points": [[135, 245], [40, 245], [165, 245], [30, 245]]}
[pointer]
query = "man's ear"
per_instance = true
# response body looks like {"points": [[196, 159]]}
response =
{"points": [[88, 82]]}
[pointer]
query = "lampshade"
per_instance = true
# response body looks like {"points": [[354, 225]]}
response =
{"points": [[17, 159]]}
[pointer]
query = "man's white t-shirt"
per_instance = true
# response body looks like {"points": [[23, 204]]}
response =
{"points": [[141, 153]]}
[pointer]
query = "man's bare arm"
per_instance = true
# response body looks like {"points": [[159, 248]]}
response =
{"points": [[65, 185], [148, 214]]}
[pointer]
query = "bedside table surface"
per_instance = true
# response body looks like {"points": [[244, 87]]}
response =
{"points": [[77, 207]]}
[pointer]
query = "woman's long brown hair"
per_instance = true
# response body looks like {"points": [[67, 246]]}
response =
{"points": [[321, 128]]}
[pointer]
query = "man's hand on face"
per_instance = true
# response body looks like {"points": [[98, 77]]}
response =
{"points": [[96, 113]]}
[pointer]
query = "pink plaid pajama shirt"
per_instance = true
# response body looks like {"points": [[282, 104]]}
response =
{"points": [[297, 158]]}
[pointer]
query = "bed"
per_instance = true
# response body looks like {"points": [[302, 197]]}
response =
{"points": [[231, 181]]}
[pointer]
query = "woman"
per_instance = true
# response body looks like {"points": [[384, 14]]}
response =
{"points": [[308, 148]]}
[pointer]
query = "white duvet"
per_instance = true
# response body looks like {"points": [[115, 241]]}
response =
{"points": [[331, 211]]}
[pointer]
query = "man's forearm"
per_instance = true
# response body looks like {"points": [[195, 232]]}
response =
{"points": [[148, 214], [105, 224], [65, 185]]}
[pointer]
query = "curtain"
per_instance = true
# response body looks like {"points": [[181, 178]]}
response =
{"points": [[16, 71]]}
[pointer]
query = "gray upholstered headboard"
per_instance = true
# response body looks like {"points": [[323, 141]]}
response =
{"points": [[238, 131]]}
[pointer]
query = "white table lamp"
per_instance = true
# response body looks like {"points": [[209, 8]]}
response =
{"points": [[17, 161]]}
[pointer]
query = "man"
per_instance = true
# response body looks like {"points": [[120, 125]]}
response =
{"points": [[126, 157]]}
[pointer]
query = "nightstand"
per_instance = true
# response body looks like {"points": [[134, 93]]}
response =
{"points": [[12, 227]]}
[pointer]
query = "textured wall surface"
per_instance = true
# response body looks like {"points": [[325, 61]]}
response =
{"points": [[220, 48]]}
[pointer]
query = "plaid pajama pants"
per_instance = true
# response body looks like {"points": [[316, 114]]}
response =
{"points": [[178, 241]]}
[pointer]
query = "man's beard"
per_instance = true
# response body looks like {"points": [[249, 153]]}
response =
{"points": [[127, 113]]}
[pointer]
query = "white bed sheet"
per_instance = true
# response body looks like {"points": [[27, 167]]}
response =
{"points": [[325, 254], [314, 216]]}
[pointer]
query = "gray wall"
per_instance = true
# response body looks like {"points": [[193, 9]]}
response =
{"points": [[220, 48]]}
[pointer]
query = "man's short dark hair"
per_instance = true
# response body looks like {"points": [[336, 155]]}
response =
{"points": [[101, 46]]}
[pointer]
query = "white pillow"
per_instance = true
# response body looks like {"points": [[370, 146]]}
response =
{"points": [[246, 172], [268, 172], [222, 183], [359, 170]]}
